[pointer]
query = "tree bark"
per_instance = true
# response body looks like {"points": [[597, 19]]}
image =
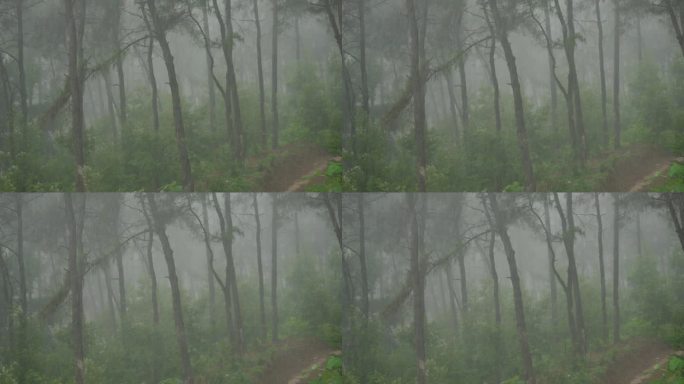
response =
{"points": [[501, 229], [210, 261], [550, 254], [184, 158], [365, 96], [19, 4], [23, 292], [552, 81], [181, 336], [677, 23], [123, 113], [418, 281], [262, 306], [521, 130], [150, 264], [362, 256], [210, 83]]}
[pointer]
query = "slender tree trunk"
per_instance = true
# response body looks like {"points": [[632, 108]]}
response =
{"points": [[74, 233], [73, 9], [418, 281], [362, 256], [616, 268], [23, 295], [419, 119], [452, 296], [184, 158], [677, 22], [602, 71], [298, 40], [492, 72], [262, 307], [111, 113], [118, 4], [362, 61], [210, 83], [153, 85], [617, 127], [274, 77], [501, 229], [465, 109], [260, 71], [19, 4], [521, 130], [274, 267], [226, 224], [552, 278], [110, 295], [181, 337], [210, 260], [552, 81], [602, 272], [452, 102]]}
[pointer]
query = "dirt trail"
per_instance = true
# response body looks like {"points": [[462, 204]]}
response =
{"points": [[638, 362], [637, 169], [296, 362], [290, 165]]}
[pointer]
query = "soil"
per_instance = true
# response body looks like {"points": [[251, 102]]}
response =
{"points": [[636, 361], [637, 168], [294, 362], [290, 166]]}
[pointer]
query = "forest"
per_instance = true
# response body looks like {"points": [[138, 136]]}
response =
{"points": [[514, 288], [169, 288], [332, 95]]}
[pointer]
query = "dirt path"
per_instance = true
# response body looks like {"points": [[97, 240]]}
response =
{"points": [[290, 165], [637, 362], [296, 362], [637, 169]]}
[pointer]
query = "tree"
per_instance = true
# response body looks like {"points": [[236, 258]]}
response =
{"points": [[418, 85], [274, 76], [262, 307], [160, 24], [521, 130], [617, 125], [74, 233], [274, 266], [362, 256], [616, 268], [675, 11], [602, 71], [75, 18], [500, 223], [159, 220], [260, 74], [418, 280]]}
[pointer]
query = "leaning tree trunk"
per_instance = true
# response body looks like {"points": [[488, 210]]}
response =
{"points": [[184, 158], [181, 336], [517, 289], [521, 129]]}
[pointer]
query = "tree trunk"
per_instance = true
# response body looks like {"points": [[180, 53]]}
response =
{"points": [[617, 127], [210, 86], [74, 233], [552, 81], [616, 268], [452, 102], [74, 13], [493, 75], [517, 289], [181, 337], [118, 4], [418, 282], [602, 71], [110, 295], [419, 119], [160, 34], [19, 4], [262, 307], [260, 70], [226, 224], [274, 267], [521, 130], [23, 292], [677, 22], [210, 260], [602, 272], [550, 254], [362, 61], [274, 79], [365, 309]]}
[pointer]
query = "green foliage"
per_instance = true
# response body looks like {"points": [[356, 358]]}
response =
{"points": [[674, 372]]}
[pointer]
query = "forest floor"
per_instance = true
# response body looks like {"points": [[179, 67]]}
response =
{"points": [[292, 168], [297, 362], [638, 362], [638, 168]]}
